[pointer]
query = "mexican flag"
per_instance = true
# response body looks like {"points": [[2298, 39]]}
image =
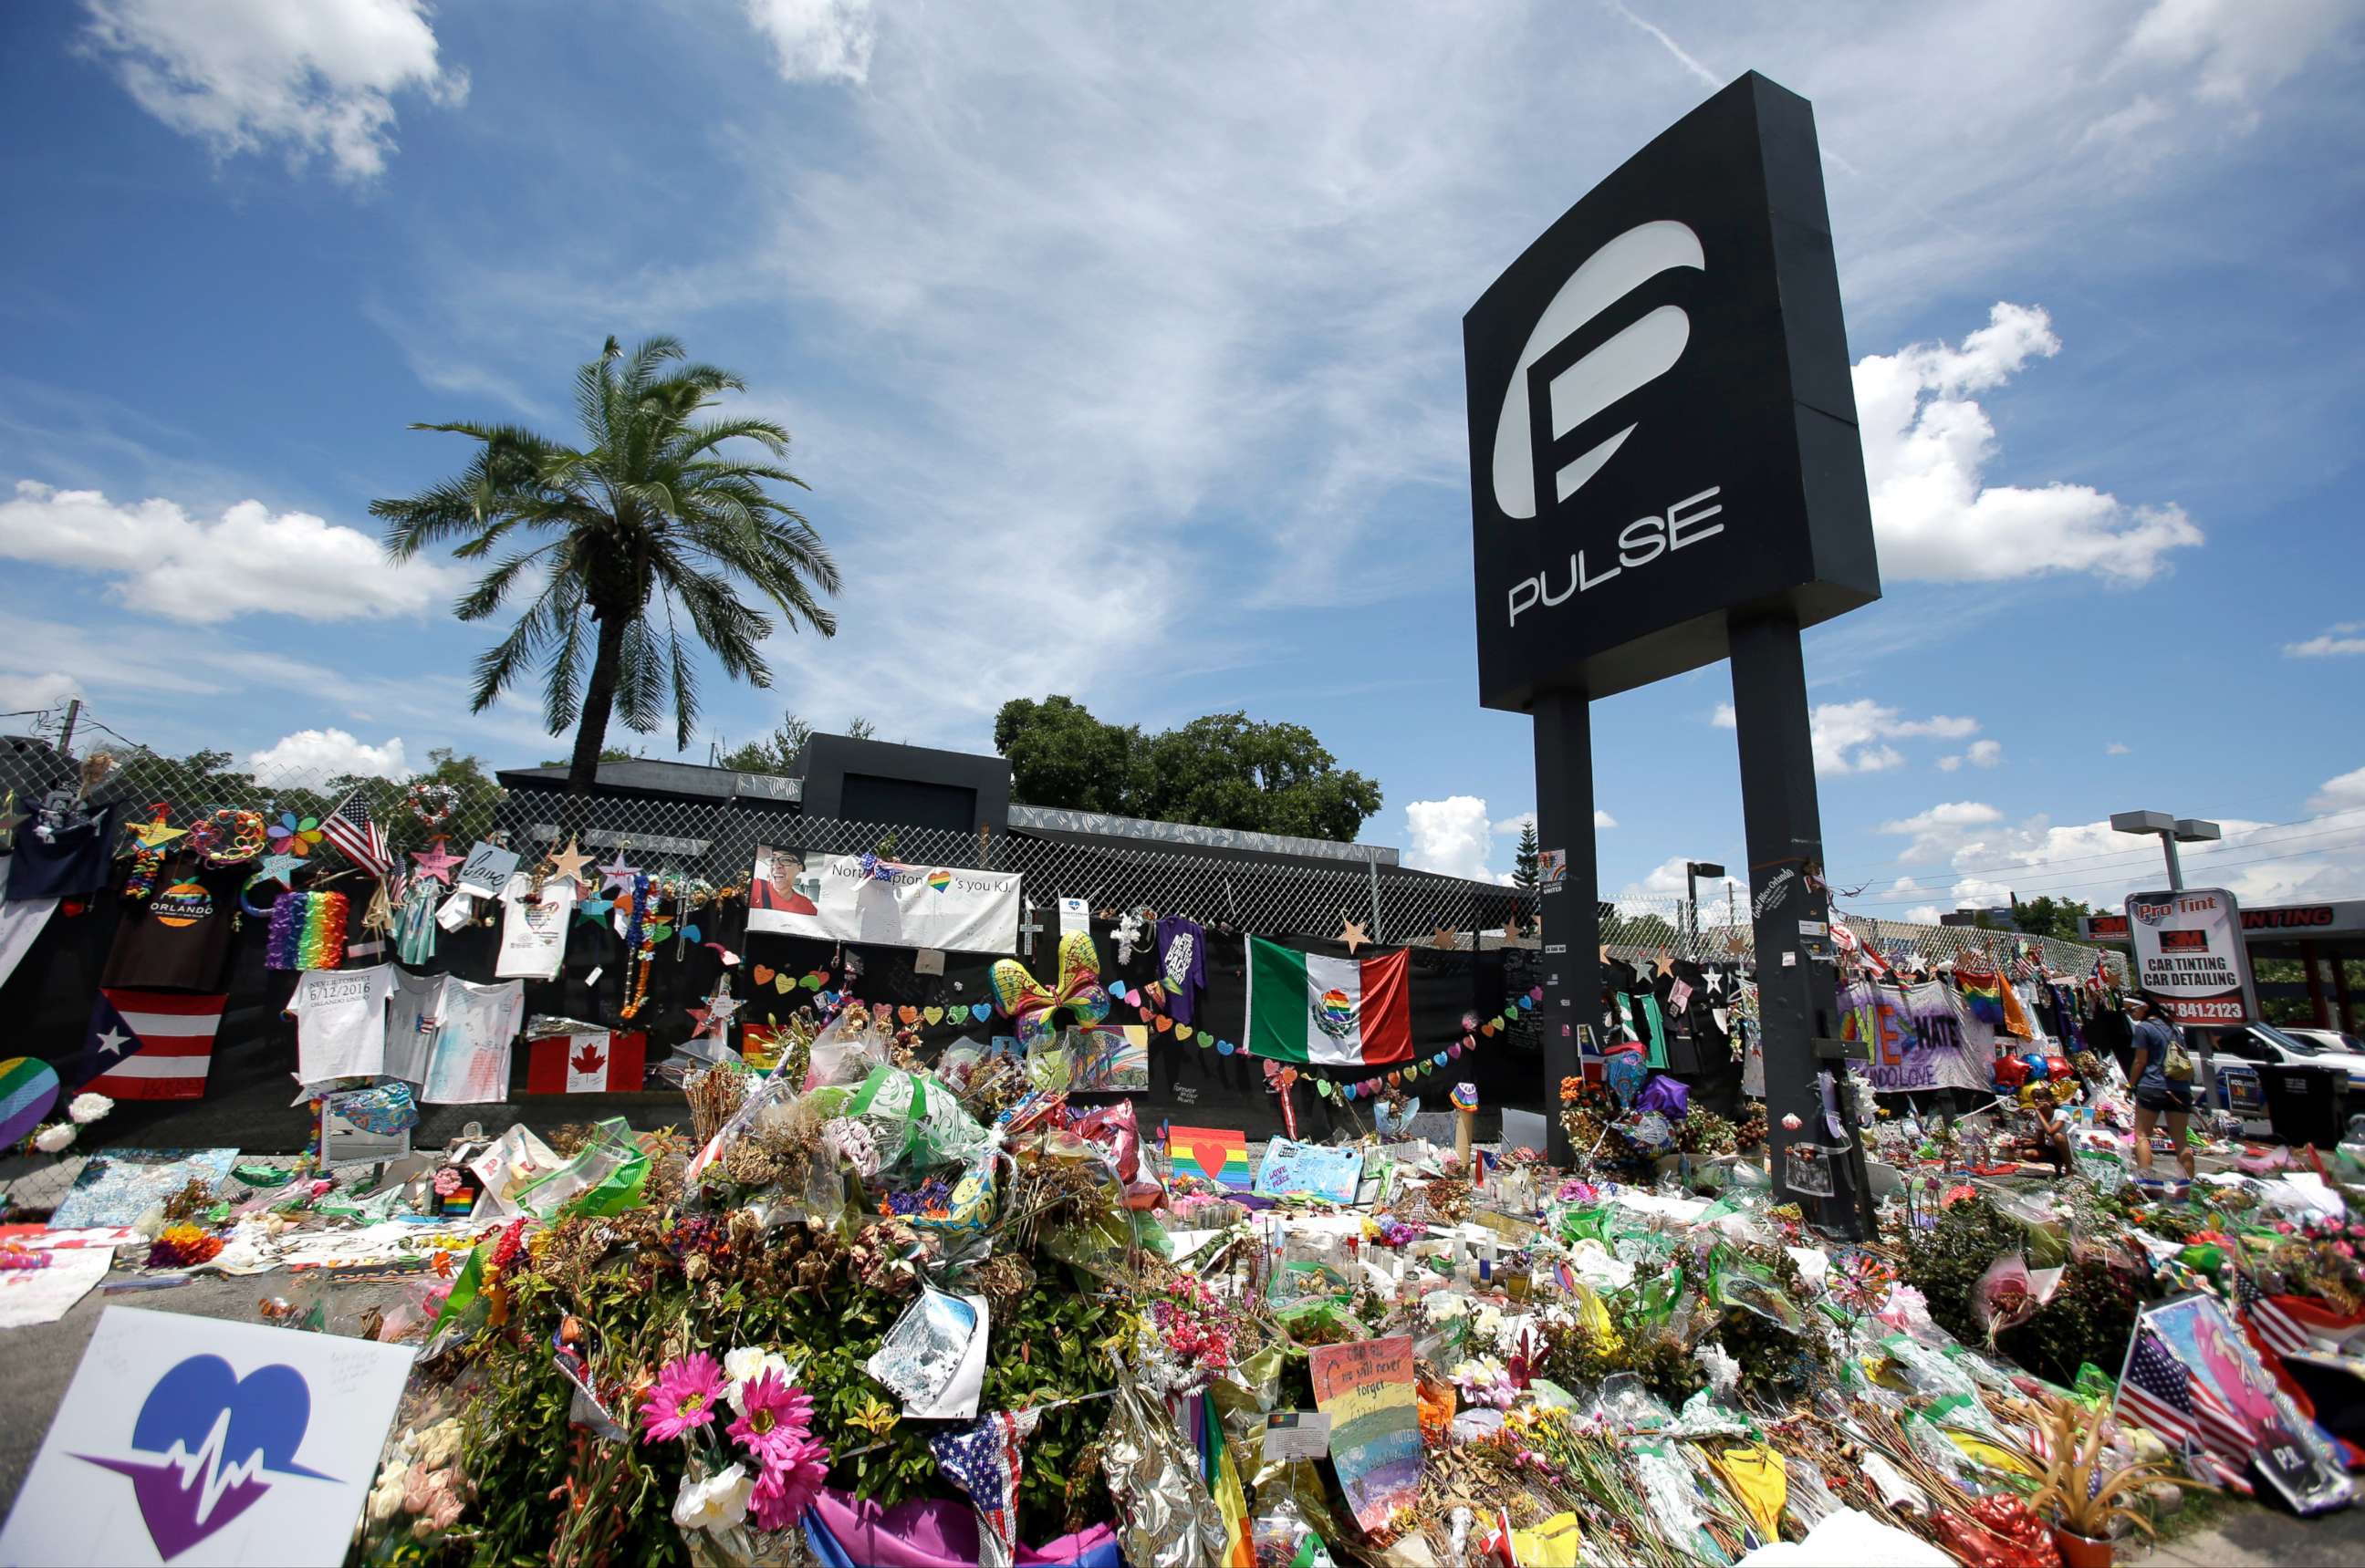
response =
{"points": [[1327, 1012], [585, 1064]]}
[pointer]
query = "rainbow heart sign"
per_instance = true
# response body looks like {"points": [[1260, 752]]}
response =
{"points": [[196, 1439], [939, 880]]}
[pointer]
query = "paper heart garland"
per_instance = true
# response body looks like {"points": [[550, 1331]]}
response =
{"points": [[910, 1015], [1224, 1048], [1207, 1040], [763, 973], [1488, 1027], [1454, 1050], [1164, 1024], [1469, 1021], [815, 981], [783, 984], [981, 1010], [1183, 1031], [932, 1015], [1535, 994]]}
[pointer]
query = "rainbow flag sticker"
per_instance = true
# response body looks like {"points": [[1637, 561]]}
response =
{"points": [[939, 880], [1212, 1154]]}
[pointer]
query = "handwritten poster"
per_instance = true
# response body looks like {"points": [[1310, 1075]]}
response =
{"points": [[486, 869], [1366, 1389], [1293, 1169]]}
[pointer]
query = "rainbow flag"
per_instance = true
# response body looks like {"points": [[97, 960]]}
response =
{"points": [[1984, 992], [1212, 1154]]}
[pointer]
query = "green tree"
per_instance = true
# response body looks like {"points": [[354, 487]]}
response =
{"points": [[778, 751], [1221, 771], [607, 754], [649, 514], [1526, 861], [2049, 916]]}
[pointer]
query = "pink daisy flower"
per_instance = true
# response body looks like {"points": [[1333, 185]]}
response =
{"points": [[683, 1399], [787, 1486], [778, 1419]]}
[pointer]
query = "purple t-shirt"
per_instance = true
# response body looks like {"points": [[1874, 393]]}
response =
{"points": [[1181, 949]]}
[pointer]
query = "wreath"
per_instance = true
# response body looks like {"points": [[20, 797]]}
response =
{"points": [[229, 837], [432, 804]]}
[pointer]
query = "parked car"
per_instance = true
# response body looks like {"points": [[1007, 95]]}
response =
{"points": [[2339, 1042], [2239, 1053]]}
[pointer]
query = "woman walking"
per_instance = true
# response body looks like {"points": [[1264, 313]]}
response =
{"points": [[2163, 1076]]}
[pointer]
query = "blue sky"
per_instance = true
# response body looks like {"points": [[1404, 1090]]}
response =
{"points": [[1122, 350]]}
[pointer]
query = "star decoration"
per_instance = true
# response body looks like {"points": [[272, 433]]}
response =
{"points": [[1663, 964], [1444, 937], [155, 835], [280, 868], [1514, 927], [436, 861], [1353, 935], [570, 865], [619, 875], [112, 1042], [594, 910]]}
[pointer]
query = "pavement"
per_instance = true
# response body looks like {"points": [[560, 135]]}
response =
{"points": [[2249, 1534]]}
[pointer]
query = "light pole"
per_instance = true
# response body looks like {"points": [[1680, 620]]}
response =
{"points": [[1693, 871], [2172, 831]]}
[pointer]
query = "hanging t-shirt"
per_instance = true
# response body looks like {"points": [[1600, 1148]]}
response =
{"points": [[1182, 965], [178, 938], [534, 933], [340, 1021], [470, 1062], [412, 1017], [74, 862], [414, 921]]}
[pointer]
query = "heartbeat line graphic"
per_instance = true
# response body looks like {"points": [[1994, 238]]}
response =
{"points": [[207, 1460]]}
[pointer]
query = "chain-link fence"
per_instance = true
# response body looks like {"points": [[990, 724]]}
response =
{"points": [[709, 826]]}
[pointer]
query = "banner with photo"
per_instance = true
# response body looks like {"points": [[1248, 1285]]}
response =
{"points": [[862, 898]]}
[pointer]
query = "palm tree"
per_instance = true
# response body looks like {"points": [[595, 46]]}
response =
{"points": [[648, 513]]}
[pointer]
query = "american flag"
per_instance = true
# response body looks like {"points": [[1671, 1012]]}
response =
{"points": [[2161, 1392], [982, 1460], [2291, 1325], [351, 828]]}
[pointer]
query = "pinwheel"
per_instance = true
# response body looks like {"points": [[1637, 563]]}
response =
{"points": [[292, 835], [1033, 1008]]}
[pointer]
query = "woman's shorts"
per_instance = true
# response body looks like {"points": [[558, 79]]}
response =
{"points": [[2174, 1097]]}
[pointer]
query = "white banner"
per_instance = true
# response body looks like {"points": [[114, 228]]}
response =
{"points": [[836, 897]]}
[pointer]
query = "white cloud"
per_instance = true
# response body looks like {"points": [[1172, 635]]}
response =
{"points": [[1853, 737], [1941, 829], [818, 41], [309, 76], [1455, 836], [1986, 754], [2236, 50], [2338, 643], [2346, 793], [2117, 749], [245, 562], [1452, 837], [1922, 914], [1927, 446], [314, 757], [27, 691], [1949, 764]]}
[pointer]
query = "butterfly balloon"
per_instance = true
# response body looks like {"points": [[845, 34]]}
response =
{"points": [[1033, 1008]]}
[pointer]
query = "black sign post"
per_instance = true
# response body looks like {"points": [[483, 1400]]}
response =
{"points": [[1665, 472]]}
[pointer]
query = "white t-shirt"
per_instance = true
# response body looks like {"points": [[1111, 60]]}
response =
{"points": [[340, 1021], [470, 1063], [533, 936], [411, 1019]]}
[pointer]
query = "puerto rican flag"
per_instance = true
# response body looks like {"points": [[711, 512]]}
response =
{"points": [[150, 1045], [586, 1064]]}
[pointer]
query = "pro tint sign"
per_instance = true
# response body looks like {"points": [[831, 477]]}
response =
{"points": [[1662, 427], [2189, 952]]}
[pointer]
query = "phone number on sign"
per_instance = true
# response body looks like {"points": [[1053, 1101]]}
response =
{"points": [[2207, 1010]]}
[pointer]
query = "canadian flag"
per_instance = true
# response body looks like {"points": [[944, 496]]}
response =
{"points": [[586, 1064]]}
